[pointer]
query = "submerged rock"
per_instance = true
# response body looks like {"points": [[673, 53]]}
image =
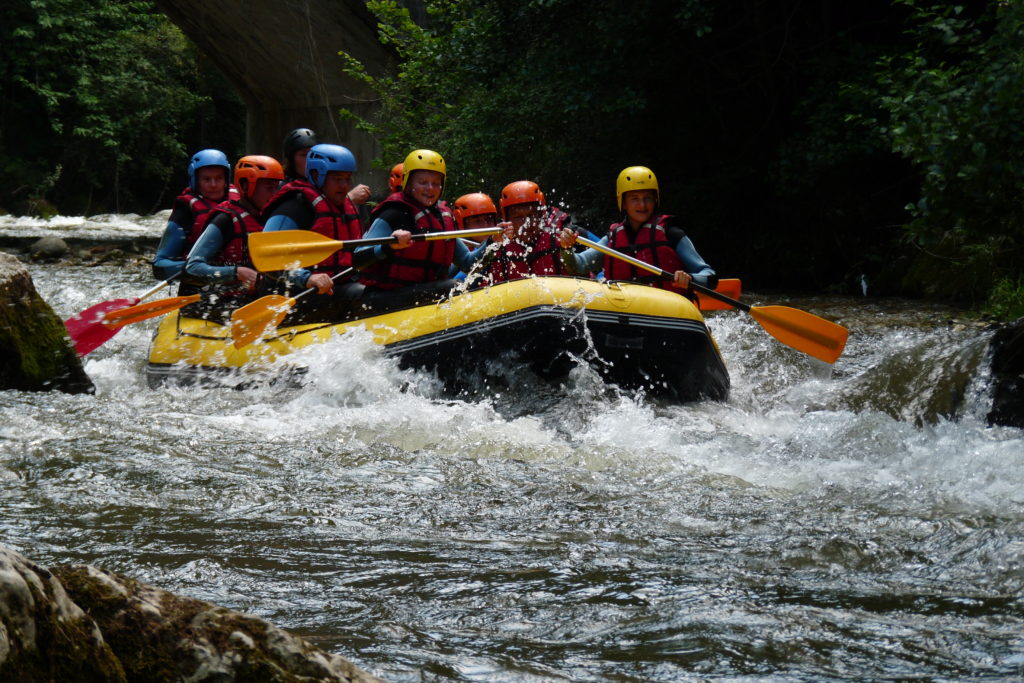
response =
{"points": [[35, 352], [1008, 376], [81, 623]]}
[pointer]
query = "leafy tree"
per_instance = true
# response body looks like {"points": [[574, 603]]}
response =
{"points": [[952, 105], [98, 101]]}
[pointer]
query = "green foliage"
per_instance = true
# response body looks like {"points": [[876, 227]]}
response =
{"points": [[953, 106], [98, 100], [1006, 300], [550, 90]]}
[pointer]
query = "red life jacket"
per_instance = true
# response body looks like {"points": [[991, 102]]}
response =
{"points": [[648, 244], [236, 251], [200, 207], [514, 260], [338, 224], [422, 261]]}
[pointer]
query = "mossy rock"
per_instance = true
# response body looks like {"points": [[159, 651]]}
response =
{"points": [[44, 635], [35, 352], [161, 637]]}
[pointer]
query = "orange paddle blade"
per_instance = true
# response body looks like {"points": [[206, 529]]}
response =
{"points": [[730, 287], [150, 309], [290, 249], [803, 331], [261, 317]]}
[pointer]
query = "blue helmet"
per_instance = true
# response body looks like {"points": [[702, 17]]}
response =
{"points": [[207, 157], [325, 158]]}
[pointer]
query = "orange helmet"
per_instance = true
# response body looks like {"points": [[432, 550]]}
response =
{"points": [[470, 205], [395, 180], [520, 192], [256, 167]]}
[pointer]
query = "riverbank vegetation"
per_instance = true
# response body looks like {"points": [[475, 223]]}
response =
{"points": [[824, 146], [100, 104]]}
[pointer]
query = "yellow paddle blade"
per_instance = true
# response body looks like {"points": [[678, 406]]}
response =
{"points": [[290, 249], [151, 309], [261, 317], [803, 331]]}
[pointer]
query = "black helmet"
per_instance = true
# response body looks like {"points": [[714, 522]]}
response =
{"points": [[300, 138]]}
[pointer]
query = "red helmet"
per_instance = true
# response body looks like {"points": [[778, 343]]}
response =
{"points": [[470, 205], [395, 180], [520, 192], [256, 167]]}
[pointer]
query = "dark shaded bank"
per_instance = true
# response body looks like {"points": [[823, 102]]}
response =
{"points": [[1008, 376], [80, 623]]}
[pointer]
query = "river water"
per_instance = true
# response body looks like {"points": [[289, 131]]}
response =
{"points": [[855, 522]]}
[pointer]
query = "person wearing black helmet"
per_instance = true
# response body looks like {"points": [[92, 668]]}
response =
{"points": [[296, 146]]}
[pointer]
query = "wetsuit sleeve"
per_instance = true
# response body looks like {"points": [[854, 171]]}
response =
{"points": [[699, 270], [697, 267], [464, 259], [290, 214], [386, 223], [169, 259], [218, 233], [589, 260]]}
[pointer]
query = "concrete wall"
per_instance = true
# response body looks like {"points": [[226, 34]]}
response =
{"points": [[281, 55]]}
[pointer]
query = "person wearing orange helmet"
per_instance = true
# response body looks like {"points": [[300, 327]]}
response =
{"points": [[395, 179], [220, 258], [530, 243], [405, 272], [209, 183], [647, 234]]}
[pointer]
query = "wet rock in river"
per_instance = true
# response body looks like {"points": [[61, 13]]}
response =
{"points": [[44, 635], [81, 623], [160, 636], [35, 352]]}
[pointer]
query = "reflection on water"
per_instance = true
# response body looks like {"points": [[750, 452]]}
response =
{"points": [[824, 523]]}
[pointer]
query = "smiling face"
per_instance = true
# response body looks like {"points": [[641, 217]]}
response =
{"points": [[212, 182], [425, 186], [639, 206]]}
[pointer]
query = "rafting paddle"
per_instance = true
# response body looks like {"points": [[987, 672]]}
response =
{"points": [[94, 326], [291, 249], [252, 321], [797, 329]]}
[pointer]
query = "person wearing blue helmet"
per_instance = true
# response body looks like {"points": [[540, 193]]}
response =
{"points": [[320, 202], [209, 184]]}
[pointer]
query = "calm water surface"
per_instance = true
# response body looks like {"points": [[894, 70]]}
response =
{"points": [[847, 523]]}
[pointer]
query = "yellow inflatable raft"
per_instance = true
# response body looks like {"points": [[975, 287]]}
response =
{"points": [[636, 336]]}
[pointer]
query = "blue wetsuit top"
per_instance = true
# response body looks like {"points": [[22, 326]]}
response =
{"points": [[591, 260]]}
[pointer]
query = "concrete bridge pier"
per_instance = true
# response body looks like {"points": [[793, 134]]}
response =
{"points": [[282, 58]]}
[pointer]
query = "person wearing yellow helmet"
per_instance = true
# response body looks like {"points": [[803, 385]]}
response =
{"points": [[647, 234], [220, 258], [406, 272]]}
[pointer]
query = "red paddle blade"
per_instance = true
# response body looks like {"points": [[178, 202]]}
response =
{"points": [[87, 330]]}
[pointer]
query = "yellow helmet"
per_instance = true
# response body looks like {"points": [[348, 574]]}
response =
{"points": [[422, 160], [636, 178]]}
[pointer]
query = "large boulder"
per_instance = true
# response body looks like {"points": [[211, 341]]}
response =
{"points": [[1008, 376], [35, 352], [159, 636], [44, 635]]}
